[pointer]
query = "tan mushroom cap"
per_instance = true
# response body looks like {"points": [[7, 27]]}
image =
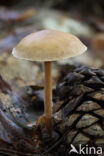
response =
{"points": [[48, 45]]}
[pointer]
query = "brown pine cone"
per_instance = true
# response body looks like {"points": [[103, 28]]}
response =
{"points": [[79, 108]]}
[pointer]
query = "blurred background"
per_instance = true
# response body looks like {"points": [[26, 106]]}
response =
{"points": [[18, 18]]}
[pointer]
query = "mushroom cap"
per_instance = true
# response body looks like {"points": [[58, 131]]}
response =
{"points": [[48, 45]]}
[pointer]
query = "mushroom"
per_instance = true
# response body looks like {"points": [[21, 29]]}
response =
{"points": [[47, 46]]}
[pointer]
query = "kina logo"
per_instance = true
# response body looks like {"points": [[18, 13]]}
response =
{"points": [[86, 150], [73, 149]]}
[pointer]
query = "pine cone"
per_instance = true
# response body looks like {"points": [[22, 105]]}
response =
{"points": [[79, 108]]}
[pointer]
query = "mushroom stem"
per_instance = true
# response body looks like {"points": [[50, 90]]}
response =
{"points": [[48, 90]]}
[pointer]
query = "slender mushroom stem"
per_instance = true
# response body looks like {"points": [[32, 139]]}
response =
{"points": [[48, 90]]}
